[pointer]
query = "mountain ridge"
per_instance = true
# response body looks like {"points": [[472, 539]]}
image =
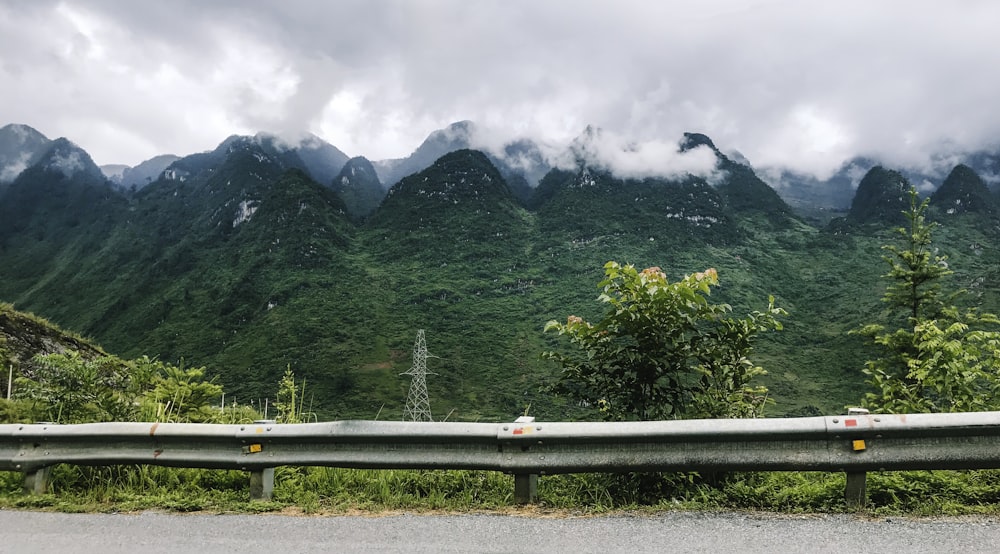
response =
{"points": [[523, 164], [238, 259]]}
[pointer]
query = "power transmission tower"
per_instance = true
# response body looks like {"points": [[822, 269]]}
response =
{"points": [[418, 405]]}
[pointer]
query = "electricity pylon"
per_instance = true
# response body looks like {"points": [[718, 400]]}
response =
{"points": [[418, 405]]}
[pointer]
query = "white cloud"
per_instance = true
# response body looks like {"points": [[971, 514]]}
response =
{"points": [[608, 150], [14, 168], [67, 164], [800, 85], [856, 173], [808, 139]]}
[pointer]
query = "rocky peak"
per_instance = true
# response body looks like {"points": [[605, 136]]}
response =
{"points": [[963, 191], [694, 140], [464, 181], [64, 157], [882, 197], [358, 186]]}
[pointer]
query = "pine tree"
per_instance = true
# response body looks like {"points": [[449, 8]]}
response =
{"points": [[939, 358]]}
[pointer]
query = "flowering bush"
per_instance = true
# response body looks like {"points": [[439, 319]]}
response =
{"points": [[663, 351]]}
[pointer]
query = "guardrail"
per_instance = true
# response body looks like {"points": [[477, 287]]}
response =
{"points": [[854, 444]]}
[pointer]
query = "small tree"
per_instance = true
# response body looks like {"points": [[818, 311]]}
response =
{"points": [[662, 350], [288, 411], [940, 358], [178, 394], [68, 388]]}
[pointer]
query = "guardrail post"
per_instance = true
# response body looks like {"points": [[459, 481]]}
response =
{"points": [[262, 480], [525, 488], [262, 484], [855, 492], [37, 481], [525, 484]]}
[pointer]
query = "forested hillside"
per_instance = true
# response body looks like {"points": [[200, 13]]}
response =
{"points": [[241, 260]]}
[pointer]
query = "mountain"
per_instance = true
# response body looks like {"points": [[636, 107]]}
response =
{"points": [[520, 161], [589, 204], [461, 197], [358, 186], [816, 199], [823, 199], [19, 144], [54, 218], [881, 198], [742, 190], [986, 164], [146, 172], [456, 136], [452, 251], [59, 173], [592, 203], [523, 165], [240, 260], [214, 193], [964, 191], [226, 253], [463, 178], [114, 172], [320, 159]]}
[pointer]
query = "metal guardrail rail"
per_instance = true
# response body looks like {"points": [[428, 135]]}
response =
{"points": [[854, 444]]}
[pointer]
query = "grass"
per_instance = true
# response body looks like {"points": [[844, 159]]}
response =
{"points": [[328, 491]]}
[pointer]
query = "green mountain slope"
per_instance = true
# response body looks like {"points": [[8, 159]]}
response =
{"points": [[744, 193], [963, 191], [238, 260], [881, 198], [358, 186], [219, 262], [54, 220]]}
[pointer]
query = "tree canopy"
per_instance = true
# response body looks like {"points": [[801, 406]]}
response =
{"points": [[663, 350]]}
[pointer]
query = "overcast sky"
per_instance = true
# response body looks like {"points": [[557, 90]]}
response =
{"points": [[791, 83]]}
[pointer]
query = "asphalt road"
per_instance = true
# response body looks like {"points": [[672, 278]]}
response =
{"points": [[149, 533]]}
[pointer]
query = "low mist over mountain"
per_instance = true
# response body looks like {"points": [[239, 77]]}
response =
{"points": [[320, 159], [262, 254], [144, 173], [456, 136], [520, 157], [523, 163], [823, 199], [19, 144]]}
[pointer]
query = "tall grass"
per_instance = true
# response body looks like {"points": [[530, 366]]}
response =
{"points": [[317, 490]]}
